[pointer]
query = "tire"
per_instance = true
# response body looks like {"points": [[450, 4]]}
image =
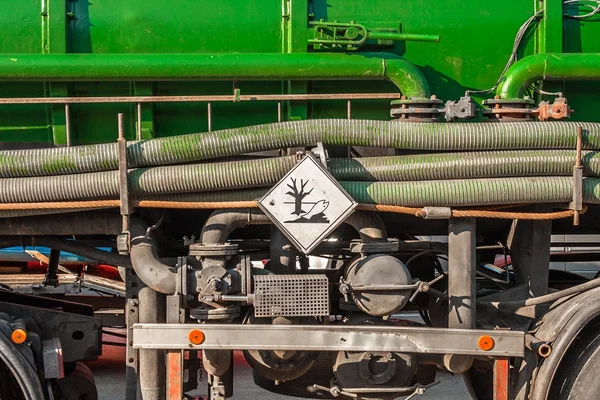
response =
{"points": [[577, 376]]}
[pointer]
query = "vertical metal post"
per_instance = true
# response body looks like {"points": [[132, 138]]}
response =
{"points": [[132, 284], [279, 111], [174, 357], [152, 362], [501, 378], [52, 271], [139, 121], [68, 124], [123, 184], [577, 205], [349, 109], [461, 284], [209, 111], [530, 252]]}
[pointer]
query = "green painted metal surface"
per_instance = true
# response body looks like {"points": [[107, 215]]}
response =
{"points": [[147, 46]]}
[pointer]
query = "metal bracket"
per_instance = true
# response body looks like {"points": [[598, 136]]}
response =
{"points": [[465, 108], [557, 110], [577, 203], [123, 183], [321, 154], [337, 391], [351, 35]]}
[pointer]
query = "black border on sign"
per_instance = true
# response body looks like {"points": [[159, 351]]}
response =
{"points": [[333, 224]]}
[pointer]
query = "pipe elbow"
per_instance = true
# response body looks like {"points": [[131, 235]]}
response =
{"points": [[521, 75], [221, 223], [369, 226], [407, 77], [146, 264]]}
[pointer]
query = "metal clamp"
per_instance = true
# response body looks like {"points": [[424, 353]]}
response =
{"points": [[123, 184], [577, 203], [355, 393]]}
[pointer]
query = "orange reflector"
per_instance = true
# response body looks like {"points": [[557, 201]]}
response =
{"points": [[196, 336], [486, 343], [18, 336]]}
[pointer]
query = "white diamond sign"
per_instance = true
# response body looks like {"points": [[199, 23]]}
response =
{"points": [[307, 204]]}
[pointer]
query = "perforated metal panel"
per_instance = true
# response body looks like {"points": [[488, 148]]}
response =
{"points": [[291, 295]]}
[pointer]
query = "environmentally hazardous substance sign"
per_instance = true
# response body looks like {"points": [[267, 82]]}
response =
{"points": [[307, 204]]}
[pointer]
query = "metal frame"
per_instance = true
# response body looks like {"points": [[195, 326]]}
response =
{"points": [[328, 338]]}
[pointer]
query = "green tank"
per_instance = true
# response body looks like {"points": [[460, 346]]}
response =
{"points": [[58, 48]]}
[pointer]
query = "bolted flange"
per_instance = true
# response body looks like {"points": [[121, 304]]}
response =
{"points": [[509, 109], [417, 110]]}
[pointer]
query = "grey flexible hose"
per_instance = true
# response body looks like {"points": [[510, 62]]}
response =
{"points": [[147, 182], [231, 142]]}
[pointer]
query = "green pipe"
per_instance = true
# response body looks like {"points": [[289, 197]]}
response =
{"points": [[207, 67], [548, 67], [414, 37]]}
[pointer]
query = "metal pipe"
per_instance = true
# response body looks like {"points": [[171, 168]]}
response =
{"points": [[221, 223], [283, 253], [148, 267], [548, 67], [264, 66], [461, 284], [152, 366], [369, 226]]}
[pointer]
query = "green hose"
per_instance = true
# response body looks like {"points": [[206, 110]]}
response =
{"points": [[144, 182], [232, 142], [447, 193], [473, 192], [485, 164]]}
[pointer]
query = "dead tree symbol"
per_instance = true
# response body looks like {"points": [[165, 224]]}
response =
{"points": [[298, 195]]}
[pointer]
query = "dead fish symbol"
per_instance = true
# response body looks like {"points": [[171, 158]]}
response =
{"points": [[317, 209]]}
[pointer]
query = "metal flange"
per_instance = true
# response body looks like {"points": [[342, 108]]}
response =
{"points": [[417, 110], [509, 109], [213, 250]]}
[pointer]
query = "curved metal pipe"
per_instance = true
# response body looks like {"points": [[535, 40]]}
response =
{"points": [[548, 67], [210, 67], [221, 223], [146, 264], [369, 226]]}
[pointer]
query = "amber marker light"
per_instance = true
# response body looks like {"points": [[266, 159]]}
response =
{"points": [[18, 336], [196, 336], [486, 343]]}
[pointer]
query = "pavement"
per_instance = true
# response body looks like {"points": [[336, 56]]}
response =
{"points": [[109, 373]]}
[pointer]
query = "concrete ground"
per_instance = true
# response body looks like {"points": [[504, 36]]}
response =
{"points": [[109, 373]]}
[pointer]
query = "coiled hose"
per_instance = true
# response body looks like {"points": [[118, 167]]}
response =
{"points": [[180, 179], [231, 142]]}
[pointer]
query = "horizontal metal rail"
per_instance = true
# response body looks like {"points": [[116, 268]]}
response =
{"points": [[214, 98], [328, 338]]}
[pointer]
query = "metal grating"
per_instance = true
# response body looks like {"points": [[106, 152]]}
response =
{"points": [[291, 295]]}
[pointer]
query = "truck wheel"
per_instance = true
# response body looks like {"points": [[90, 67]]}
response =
{"points": [[577, 378], [79, 384]]}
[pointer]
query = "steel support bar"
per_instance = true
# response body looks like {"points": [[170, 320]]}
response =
{"points": [[205, 98], [461, 285], [328, 338], [461, 273], [228, 67]]}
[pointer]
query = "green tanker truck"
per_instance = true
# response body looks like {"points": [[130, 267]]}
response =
{"points": [[216, 152]]}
